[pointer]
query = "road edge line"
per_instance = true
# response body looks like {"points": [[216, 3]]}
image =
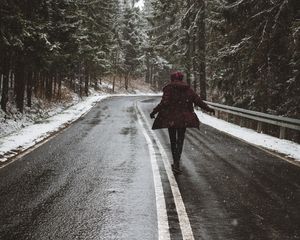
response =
{"points": [[184, 222], [162, 216]]}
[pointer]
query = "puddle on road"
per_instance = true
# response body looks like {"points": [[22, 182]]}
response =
{"points": [[128, 130]]}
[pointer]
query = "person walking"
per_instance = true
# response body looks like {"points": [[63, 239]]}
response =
{"points": [[176, 112]]}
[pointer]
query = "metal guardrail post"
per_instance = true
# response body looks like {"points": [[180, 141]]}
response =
{"points": [[242, 122], [259, 127], [227, 117], [282, 132]]}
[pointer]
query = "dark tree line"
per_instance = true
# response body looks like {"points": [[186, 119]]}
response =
{"points": [[46, 44], [258, 61], [177, 31], [241, 52], [238, 52]]}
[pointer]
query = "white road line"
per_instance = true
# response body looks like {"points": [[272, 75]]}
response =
{"points": [[185, 225], [184, 222], [162, 216]]}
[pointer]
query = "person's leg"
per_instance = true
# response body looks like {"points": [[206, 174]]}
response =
{"points": [[172, 135], [176, 157], [180, 140]]}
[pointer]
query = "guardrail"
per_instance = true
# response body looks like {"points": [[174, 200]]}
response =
{"points": [[282, 122]]}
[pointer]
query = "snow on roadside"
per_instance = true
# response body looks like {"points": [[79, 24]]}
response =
{"points": [[14, 121], [28, 136], [289, 148]]}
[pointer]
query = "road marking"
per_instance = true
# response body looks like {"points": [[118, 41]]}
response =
{"points": [[162, 216], [184, 222]]}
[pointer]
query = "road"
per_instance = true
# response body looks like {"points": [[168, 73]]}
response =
{"points": [[95, 180]]}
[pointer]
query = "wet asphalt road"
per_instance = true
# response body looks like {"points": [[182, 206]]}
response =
{"points": [[94, 181]]}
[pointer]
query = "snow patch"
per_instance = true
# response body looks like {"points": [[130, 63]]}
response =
{"points": [[28, 136], [286, 147]]}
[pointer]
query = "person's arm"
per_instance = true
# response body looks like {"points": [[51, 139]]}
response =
{"points": [[198, 101], [163, 103]]}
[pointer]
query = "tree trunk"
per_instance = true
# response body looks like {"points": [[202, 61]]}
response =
{"points": [[4, 96], [126, 80], [86, 84], [151, 75], [188, 47], [44, 85], [80, 86], [194, 62], [114, 82], [147, 77], [55, 84], [59, 87], [29, 88], [50, 87], [120, 79], [11, 76], [36, 83], [95, 80], [47, 86], [202, 52], [20, 83]]}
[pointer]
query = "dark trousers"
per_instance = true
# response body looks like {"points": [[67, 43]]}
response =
{"points": [[176, 139]]}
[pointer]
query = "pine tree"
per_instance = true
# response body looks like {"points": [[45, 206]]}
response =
{"points": [[131, 43], [254, 58]]}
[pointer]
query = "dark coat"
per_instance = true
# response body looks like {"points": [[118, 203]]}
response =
{"points": [[176, 109]]}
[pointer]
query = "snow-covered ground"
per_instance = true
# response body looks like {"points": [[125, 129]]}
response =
{"points": [[288, 148], [28, 136], [14, 121]]}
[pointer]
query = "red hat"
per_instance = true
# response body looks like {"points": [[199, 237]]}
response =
{"points": [[176, 76]]}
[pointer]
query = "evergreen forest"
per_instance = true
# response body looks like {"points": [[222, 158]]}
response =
{"points": [[242, 53]]}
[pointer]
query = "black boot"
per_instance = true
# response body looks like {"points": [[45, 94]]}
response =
{"points": [[175, 167]]}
